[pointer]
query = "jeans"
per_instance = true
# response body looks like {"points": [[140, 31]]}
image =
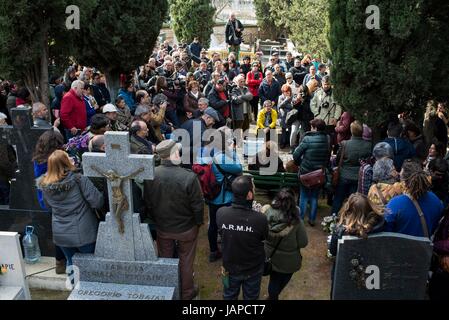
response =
{"points": [[309, 195], [344, 189], [249, 284], [4, 193], [70, 252], [59, 254], [294, 131], [277, 283], [212, 231]]}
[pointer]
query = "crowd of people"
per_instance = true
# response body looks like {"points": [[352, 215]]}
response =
{"points": [[371, 187]]}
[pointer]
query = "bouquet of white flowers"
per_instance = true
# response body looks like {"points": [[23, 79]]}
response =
{"points": [[329, 223], [257, 206]]}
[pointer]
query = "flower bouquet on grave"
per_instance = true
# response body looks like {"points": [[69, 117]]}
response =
{"points": [[257, 206], [76, 146], [329, 224]]}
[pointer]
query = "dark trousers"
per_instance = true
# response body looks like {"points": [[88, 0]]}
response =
{"points": [[249, 284], [212, 231], [285, 137], [187, 242], [4, 193], [255, 107], [439, 286], [344, 189], [173, 117], [59, 254], [277, 283]]}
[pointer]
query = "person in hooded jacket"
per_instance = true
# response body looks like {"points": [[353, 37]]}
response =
{"points": [[71, 198], [287, 235]]}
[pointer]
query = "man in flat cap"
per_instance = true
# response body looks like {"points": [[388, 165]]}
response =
{"points": [[175, 203]]}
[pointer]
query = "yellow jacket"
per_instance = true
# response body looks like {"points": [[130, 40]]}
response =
{"points": [[261, 119]]}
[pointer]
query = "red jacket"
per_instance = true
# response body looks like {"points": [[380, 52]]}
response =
{"points": [[253, 85], [73, 111], [343, 129]]}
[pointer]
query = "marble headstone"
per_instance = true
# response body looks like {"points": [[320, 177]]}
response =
{"points": [[13, 285], [385, 266], [24, 208], [125, 258]]}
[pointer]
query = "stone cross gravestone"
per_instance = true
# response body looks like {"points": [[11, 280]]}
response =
{"points": [[24, 207], [386, 266], [13, 285], [124, 265]]}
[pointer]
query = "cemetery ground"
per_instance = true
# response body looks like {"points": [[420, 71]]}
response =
{"points": [[312, 282]]}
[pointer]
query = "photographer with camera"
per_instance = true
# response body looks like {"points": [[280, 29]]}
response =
{"points": [[324, 107], [167, 87], [202, 75]]}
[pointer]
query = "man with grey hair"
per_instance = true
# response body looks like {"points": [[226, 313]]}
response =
{"points": [[41, 116], [73, 110], [233, 32], [98, 144]]}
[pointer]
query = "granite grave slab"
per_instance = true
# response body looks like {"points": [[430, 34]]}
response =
{"points": [[24, 208], [385, 266], [13, 285]]}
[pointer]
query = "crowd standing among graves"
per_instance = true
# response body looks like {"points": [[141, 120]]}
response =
{"points": [[398, 183]]}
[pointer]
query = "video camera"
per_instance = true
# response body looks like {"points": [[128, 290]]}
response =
{"points": [[177, 83]]}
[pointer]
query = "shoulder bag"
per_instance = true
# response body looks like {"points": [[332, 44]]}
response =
{"points": [[268, 266], [313, 179], [421, 216], [336, 172]]}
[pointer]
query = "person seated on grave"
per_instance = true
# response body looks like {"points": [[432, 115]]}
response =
{"points": [[439, 283], [269, 151], [48, 142], [359, 218], [287, 235], [41, 117], [266, 119], [418, 211], [71, 198], [175, 203]]}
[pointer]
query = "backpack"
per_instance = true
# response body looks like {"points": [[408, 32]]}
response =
{"points": [[365, 175], [209, 185]]}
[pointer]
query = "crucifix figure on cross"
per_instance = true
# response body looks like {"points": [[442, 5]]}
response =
{"points": [[119, 200], [119, 167]]}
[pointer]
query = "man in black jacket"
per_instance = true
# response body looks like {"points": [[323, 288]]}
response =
{"points": [[101, 93], [243, 233], [233, 33]]}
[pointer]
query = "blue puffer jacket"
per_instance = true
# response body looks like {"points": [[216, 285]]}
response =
{"points": [[129, 99], [229, 165]]}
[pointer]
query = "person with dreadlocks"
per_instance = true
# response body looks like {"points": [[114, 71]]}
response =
{"points": [[418, 211]]}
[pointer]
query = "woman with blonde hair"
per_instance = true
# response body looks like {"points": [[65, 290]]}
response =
{"points": [[70, 197]]}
